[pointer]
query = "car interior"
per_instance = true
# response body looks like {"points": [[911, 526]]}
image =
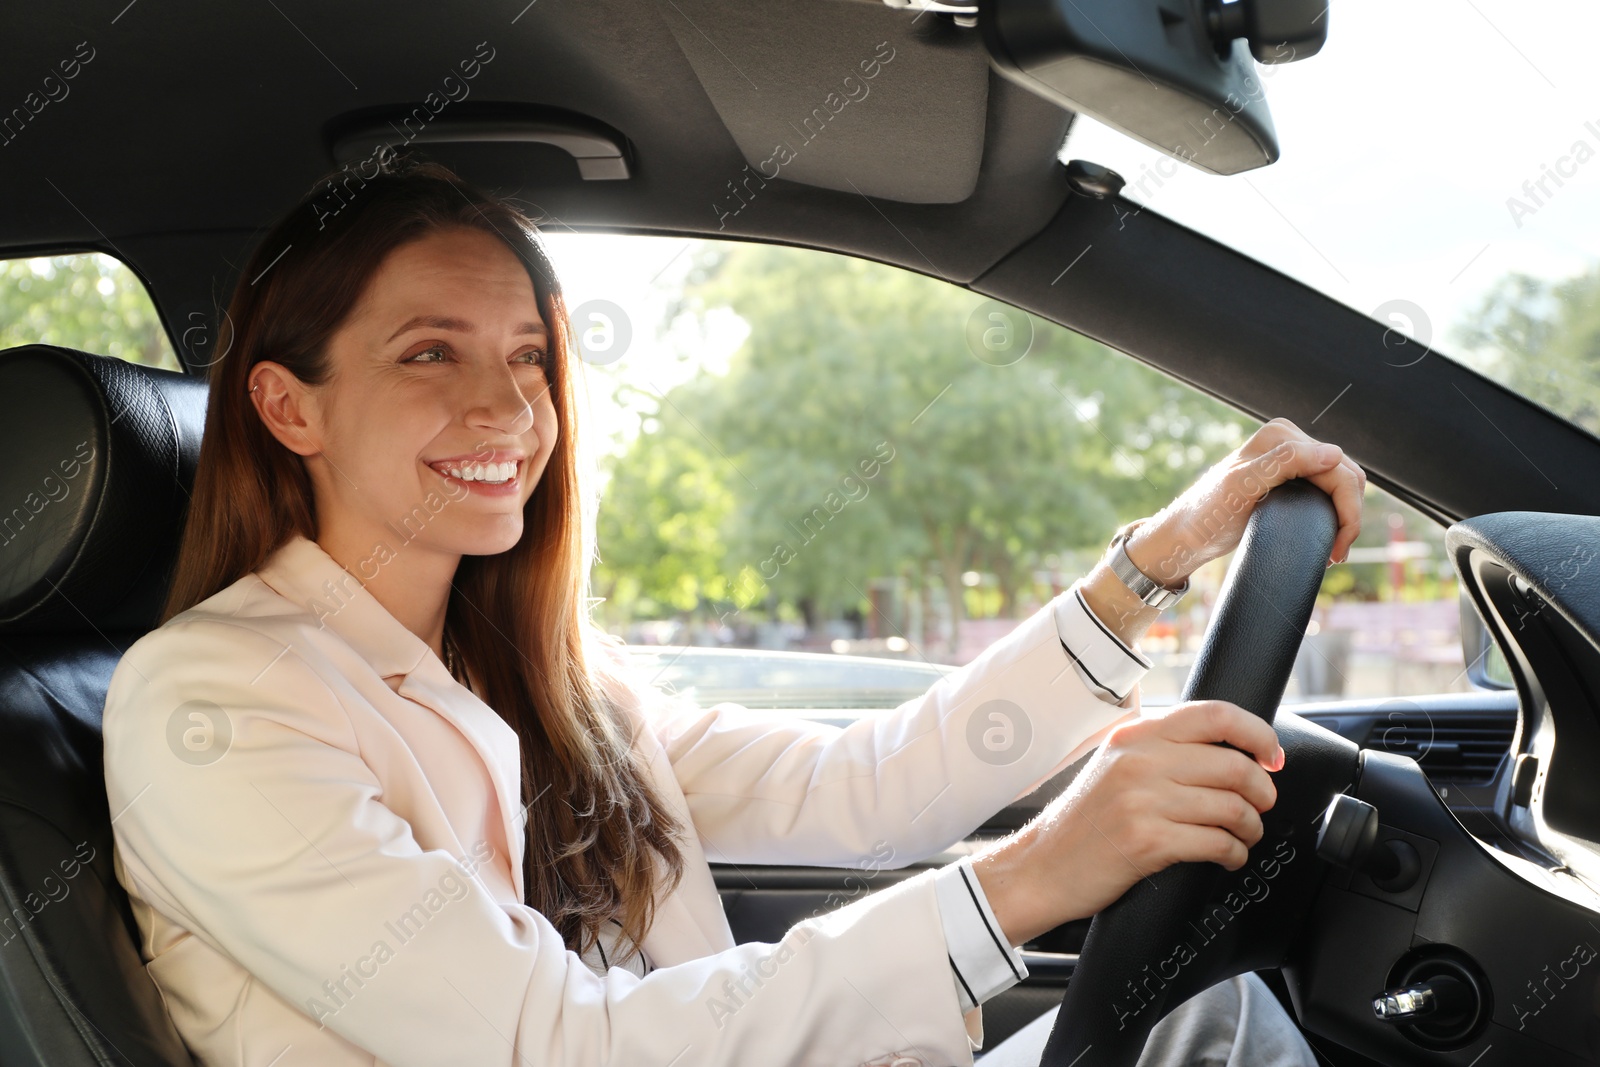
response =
{"points": [[1437, 900]]}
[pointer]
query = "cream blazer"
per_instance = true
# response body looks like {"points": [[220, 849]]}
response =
{"points": [[320, 834]]}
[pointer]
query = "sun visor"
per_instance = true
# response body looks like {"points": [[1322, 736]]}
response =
{"points": [[846, 96]]}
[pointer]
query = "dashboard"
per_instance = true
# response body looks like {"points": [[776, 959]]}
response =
{"points": [[1465, 927]]}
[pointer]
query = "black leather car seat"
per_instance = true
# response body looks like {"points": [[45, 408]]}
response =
{"points": [[100, 456]]}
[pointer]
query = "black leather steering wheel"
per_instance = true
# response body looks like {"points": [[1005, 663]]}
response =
{"points": [[1192, 925]]}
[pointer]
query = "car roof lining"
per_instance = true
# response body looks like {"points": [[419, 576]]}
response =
{"points": [[208, 124]]}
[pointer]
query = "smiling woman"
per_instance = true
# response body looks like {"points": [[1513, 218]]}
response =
{"points": [[398, 392]]}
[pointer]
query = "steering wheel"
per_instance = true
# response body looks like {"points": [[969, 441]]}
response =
{"points": [[1192, 925]]}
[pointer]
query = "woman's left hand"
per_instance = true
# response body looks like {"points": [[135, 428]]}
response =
{"points": [[1208, 519]]}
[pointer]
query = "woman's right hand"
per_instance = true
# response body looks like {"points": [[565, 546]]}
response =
{"points": [[1159, 791]]}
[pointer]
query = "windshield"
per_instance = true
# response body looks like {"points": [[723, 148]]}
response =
{"points": [[1439, 171]]}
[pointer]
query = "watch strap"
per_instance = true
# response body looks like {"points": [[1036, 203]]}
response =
{"points": [[1140, 584]]}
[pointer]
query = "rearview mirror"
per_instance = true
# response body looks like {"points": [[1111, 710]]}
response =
{"points": [[1175, 74]]}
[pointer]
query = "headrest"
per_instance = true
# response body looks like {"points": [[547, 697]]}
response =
{"points": [[100, 457]]}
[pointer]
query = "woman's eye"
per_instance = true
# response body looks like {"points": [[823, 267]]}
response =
{"points": [[435, 350], [537, 356]]}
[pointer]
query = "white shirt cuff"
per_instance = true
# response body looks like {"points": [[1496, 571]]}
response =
{"points": [[1107, 666], [984, 963]]}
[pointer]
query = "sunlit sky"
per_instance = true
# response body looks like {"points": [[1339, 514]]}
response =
{"points": [[638, 275], [1401, 143]]}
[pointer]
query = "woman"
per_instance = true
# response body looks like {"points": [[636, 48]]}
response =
{"points": [[384, 791]]}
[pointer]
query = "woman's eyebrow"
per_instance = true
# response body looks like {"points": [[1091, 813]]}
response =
{"points": [[439, 322]]}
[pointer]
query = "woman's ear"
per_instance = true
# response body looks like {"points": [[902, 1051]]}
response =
{"points": [[287, 407]]}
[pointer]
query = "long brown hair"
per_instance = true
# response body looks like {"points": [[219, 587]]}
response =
{"points": [[519, 618]]}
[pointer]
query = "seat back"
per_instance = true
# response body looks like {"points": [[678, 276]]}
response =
{"points": [[100, 456]]}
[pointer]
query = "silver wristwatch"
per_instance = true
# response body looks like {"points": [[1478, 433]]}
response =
{"points": [[1143, 586]]}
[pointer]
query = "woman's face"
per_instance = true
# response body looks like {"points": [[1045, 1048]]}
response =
{"points": [[438, 391]]}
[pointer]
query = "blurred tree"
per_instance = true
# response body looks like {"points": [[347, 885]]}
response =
{"points": [[1542, 339], [866, 428], [90, 302], [659, 533]]}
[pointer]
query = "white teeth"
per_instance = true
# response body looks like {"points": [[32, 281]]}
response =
{"points": [[488, 473]]}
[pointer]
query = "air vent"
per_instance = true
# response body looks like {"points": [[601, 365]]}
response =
{"points": [[1465, 749]]}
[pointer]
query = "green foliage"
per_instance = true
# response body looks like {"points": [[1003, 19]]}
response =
{"points": [[659, 532], [1542, 339], [90, 302], [990, 468]]}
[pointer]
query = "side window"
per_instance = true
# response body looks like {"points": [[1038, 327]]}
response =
{"points": [[89, 301], [810, 458], [1387, 622]]}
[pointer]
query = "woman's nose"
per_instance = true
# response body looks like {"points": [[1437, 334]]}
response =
{"points": [[500, 402]]}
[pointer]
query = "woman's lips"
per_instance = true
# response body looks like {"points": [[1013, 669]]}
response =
{"points": [[506, 488]]}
